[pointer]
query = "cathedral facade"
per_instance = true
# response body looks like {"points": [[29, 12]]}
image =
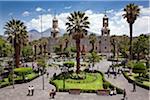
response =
{"points": [[102, 44]]}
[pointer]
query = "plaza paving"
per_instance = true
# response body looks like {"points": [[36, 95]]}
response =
{"points": [[20, 91]]}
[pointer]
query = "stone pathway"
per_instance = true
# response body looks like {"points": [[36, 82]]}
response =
{"points": [[121, 82], [20, 91]]}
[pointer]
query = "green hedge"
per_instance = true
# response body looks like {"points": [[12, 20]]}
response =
{"points": [[4, 83], [69, 64], [19, 79], [22, 70], [105, 84], [137, 82]]}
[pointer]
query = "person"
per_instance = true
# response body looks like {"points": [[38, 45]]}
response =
{"points": [[47, 74], [115, 91], [53, 93], [111, 92], [134, 87], [115, 75], [32, 90], [29, 89], [124, 94]]}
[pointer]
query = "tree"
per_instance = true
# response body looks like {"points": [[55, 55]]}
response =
{"points": [[17, 35], [113, 43], [140, 68], [132, 11], [94, 57], [77, 26], [44, 42], [5, 48], [66, 39], [123, 46], [141, 46], [92, 39], [35, 45], [27, 51]]}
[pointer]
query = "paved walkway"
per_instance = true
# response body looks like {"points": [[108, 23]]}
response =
{"points": [[20, 91], [121, 82]]}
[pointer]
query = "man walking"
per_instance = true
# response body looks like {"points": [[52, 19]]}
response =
{"points": [[32, 90], [29, 89], [134, 87], [124, 94]]}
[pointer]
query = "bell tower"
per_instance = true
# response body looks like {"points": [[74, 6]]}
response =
{"points": [[105, 46], [55, 30]]}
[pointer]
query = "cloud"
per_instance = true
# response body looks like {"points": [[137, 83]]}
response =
{"points": [[49, 10], [39, 9], [10, 14], [26, 13], [68, 7], [117, 24]]}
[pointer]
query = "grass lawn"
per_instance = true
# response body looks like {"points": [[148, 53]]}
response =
{"points": [[93, 81], [32, 75]]}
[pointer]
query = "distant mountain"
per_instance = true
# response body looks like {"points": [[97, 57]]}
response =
{"points": [[35, 35]]}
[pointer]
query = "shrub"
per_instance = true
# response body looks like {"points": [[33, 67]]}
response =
{"points": [[23, 71], [139, 68], [139, 83], [130, 64], [69, 64], [106, 85]]}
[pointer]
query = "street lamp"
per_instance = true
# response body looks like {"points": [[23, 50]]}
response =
{"points": [[41, 53]]}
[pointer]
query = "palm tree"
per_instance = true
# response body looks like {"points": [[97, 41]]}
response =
{"points": [[35, 45], [43, 43], [17, 35], [92, 38], [132, 11], [93, 58], [77, 25]]}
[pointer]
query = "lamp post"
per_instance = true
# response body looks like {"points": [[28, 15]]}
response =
{"points": [[41, 53]]}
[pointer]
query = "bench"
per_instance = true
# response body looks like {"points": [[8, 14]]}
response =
{"points": [[74, 91], [103, 92]]}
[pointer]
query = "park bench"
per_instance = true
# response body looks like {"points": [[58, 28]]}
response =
{"points": [[103, 92], [74, 91]]}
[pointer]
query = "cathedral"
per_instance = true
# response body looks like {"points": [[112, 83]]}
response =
{"points": [[102, 44]]}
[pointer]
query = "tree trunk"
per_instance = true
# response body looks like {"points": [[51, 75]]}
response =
{"points": [[35, 47], [92, 47], [66, 45], [44, 49], [131, 55], [114, 50], [17, 55], [78, 55]]}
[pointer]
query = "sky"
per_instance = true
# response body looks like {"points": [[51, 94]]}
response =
{"points": [[30, 13]]}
